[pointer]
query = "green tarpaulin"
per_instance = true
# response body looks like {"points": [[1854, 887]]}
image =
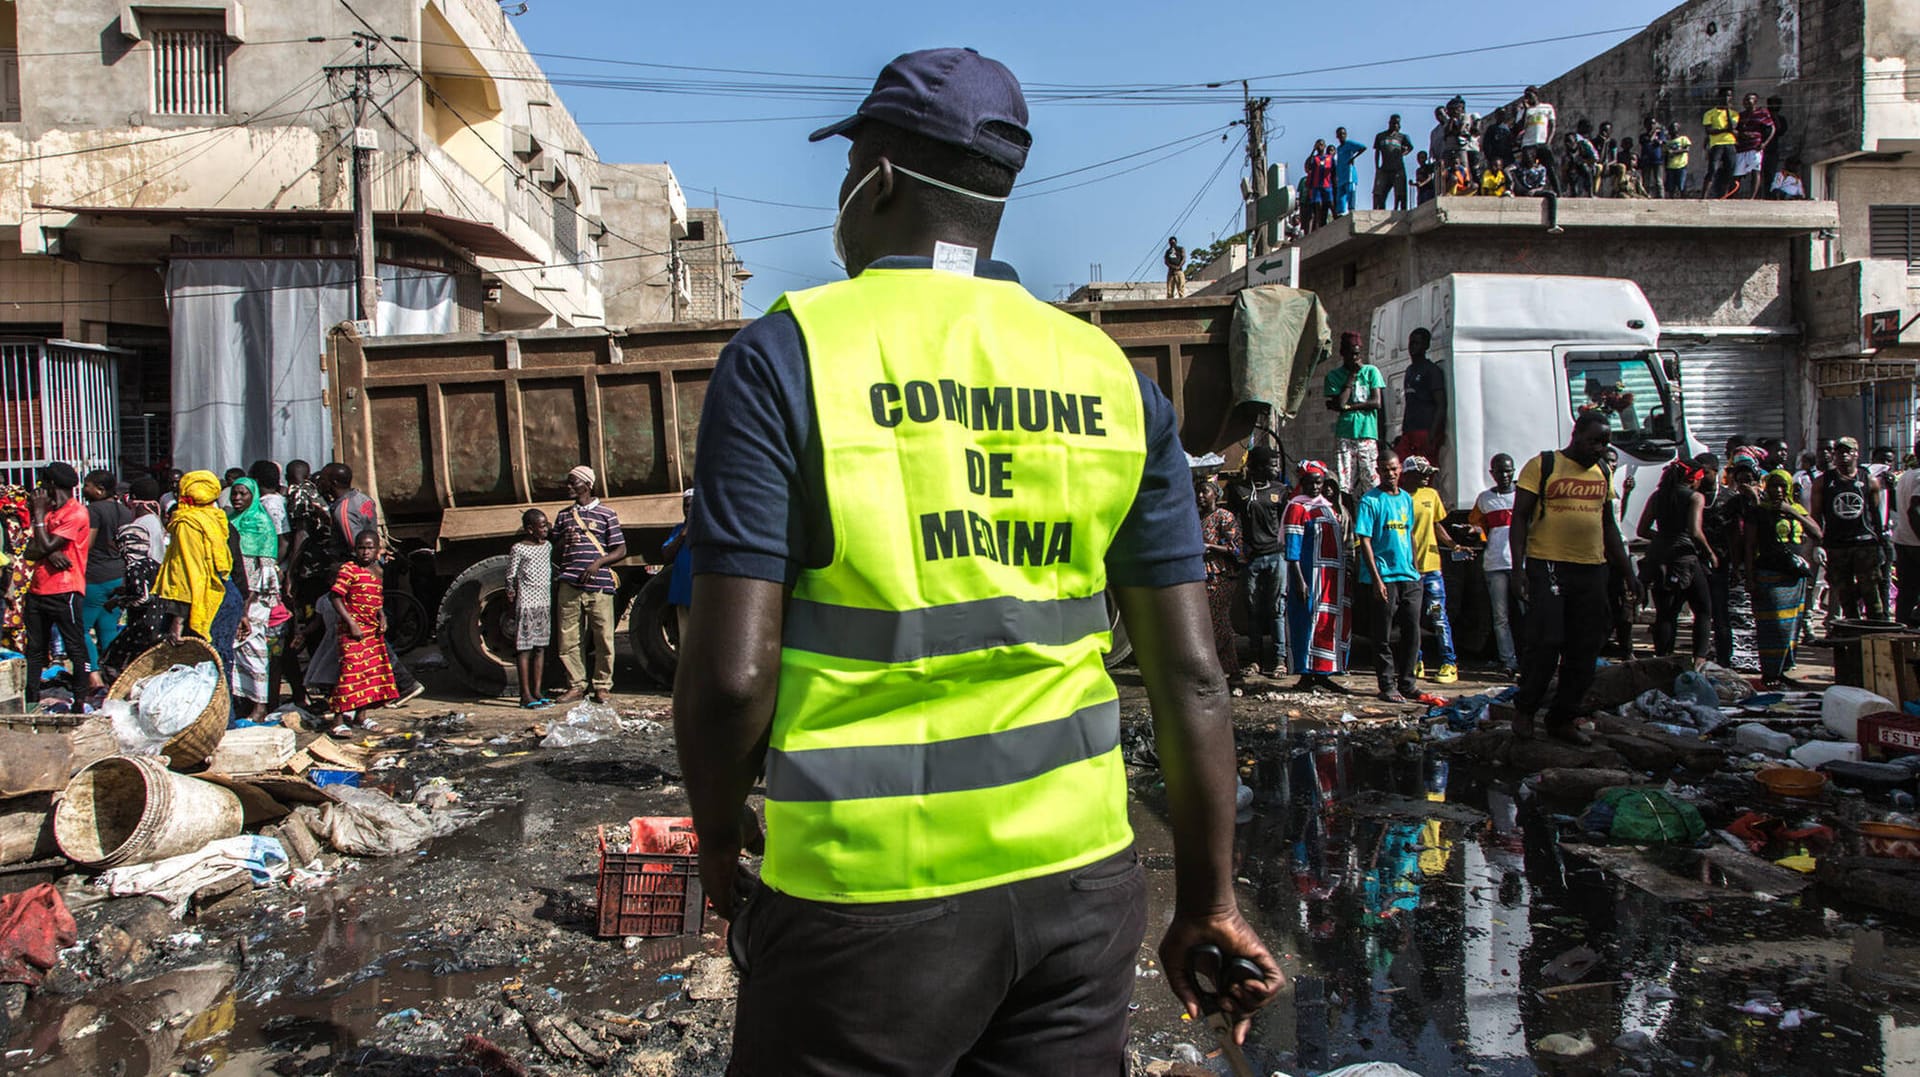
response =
{"points": [[1280, 337]]}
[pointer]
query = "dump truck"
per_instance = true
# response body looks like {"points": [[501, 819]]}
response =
{"points": [[456, 436]]}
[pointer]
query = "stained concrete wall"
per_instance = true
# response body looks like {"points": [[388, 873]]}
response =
{"points": [[1693, 277], [1806, 51], [711, 262], [87, 134], [639, 221]]}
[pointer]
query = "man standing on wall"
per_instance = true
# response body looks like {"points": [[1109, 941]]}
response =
{"points": [[1390, 150], [1346, 174], [949, 882], [1176, 260], [1355, 390], [1561, 539], [587, 541], [1720, 122]]}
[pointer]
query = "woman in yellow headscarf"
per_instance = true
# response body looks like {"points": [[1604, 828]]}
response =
{"points": [[197, 583]]}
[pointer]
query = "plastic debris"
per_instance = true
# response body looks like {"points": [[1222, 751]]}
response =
{"points": [[584, 724]]}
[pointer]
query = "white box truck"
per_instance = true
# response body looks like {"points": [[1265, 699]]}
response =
{"points": [[1522, 355]]}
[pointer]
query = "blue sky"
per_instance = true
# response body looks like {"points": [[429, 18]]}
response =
{"points": [[790, 61]]}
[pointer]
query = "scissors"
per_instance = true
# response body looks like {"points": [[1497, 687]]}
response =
{"points": [[1213, 977]]}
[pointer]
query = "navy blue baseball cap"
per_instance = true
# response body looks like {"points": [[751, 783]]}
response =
{"points": [[949, 95]]}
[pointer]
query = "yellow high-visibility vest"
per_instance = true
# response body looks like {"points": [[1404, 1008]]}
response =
{"points": [[945, 720]]}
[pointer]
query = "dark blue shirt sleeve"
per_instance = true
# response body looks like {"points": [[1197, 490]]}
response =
{"points": [[1158, 545], [749, 480]]}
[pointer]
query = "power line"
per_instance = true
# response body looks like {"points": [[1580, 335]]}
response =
{"points": [[1192, 204]]}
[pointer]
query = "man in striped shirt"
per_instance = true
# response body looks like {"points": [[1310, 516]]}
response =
{"points": [[586, 541]]}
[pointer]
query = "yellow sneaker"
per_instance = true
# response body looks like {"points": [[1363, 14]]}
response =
{"points": [[1420, 671], [1449, 673]]}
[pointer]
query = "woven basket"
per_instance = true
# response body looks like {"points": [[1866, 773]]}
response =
{"points": [[193, 745]]}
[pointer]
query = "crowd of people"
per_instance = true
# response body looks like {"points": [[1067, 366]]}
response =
{"points": [[1750, 550], [1523, 150], [282, 574]]}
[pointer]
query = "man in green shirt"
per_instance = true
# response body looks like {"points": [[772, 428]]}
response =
{"points": [[1355, 390]]}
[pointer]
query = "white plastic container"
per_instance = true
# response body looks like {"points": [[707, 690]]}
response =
{"points": [[1842, 707], [1754, 737], [1815, 752]]}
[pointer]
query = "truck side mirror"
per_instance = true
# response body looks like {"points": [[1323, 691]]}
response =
{"points": [[1671, 364]]}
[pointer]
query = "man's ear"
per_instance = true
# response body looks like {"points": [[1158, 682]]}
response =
{"points": [[883, 182]]}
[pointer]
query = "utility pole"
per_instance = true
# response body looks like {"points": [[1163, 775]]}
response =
{"points": [[1256, 120], [364, 141], [367, 290]]}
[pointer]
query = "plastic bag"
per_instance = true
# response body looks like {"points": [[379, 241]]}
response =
{"points": [[1652, 816], [367, 822], [172, 701], [584, 724], [161, 706]]}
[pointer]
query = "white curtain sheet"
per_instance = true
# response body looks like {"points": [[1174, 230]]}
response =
{"points": [[248, 341]]}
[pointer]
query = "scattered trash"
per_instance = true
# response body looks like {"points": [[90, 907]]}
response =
{"points": [[367, 822], [1571, 965], [1561, 1045], [34, 927], [177, 879], [585, 723]]}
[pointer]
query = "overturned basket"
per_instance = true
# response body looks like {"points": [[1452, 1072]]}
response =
{"points": [[193, 745]]}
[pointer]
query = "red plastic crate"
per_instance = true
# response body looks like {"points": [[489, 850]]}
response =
{"points": [[653, 888], [1888, 733]]}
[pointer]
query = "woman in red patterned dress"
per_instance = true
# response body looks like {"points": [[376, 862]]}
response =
{"points": [[366, 678]]}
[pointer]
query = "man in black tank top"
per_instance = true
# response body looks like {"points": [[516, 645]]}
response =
{"points": [[1846, 501]]}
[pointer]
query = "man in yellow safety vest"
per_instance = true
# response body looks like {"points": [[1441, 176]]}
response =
{"points": [[916, 488]]}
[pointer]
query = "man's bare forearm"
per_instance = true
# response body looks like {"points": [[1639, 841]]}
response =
{"points": [[1193, 732], [723, 698]]}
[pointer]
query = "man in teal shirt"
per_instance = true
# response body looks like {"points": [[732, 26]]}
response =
{"points": [[1357, 392], [1383, 526]]}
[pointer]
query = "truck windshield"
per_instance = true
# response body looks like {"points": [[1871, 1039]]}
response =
{"points": [[1625, 385]]}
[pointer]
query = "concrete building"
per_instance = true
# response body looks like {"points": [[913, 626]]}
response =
{"points": [[646, 215], [1719, 275], [175, 182], [711, 275], [1848, 74]]}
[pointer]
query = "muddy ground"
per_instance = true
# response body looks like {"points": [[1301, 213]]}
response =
{"points": [[1418, 900]]}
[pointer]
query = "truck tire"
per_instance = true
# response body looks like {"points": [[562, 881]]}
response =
{"points": [[472, 627], [653, 628], [1122, 646]]}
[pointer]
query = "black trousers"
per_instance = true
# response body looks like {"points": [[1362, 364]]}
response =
{"points": [[1906, 568], [1566, 623], [1027, 978], [45, 615], [1719, 179], [1694, 593], [1396, 637], [1392, 183]]}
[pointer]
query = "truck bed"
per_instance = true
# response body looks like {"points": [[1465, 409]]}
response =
{"points": [[457, 435]]}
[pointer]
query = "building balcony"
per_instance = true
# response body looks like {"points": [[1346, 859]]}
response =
{"points": [[1842, 303]]}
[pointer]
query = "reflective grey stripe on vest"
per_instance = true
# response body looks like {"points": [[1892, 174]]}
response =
{"points": [[868, 635], [948, 766]]}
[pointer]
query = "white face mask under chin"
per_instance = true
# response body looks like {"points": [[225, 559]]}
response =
{"points": [[839, 245]]}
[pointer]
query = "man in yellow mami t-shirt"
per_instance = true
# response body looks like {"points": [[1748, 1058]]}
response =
{"points": [[1719, 122], [1563, 538]]}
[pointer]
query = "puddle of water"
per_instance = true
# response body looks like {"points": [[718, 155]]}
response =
{"points": [[1422, 941]]}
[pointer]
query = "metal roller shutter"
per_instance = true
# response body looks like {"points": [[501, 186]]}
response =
{"points": [[1735, 386]]}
